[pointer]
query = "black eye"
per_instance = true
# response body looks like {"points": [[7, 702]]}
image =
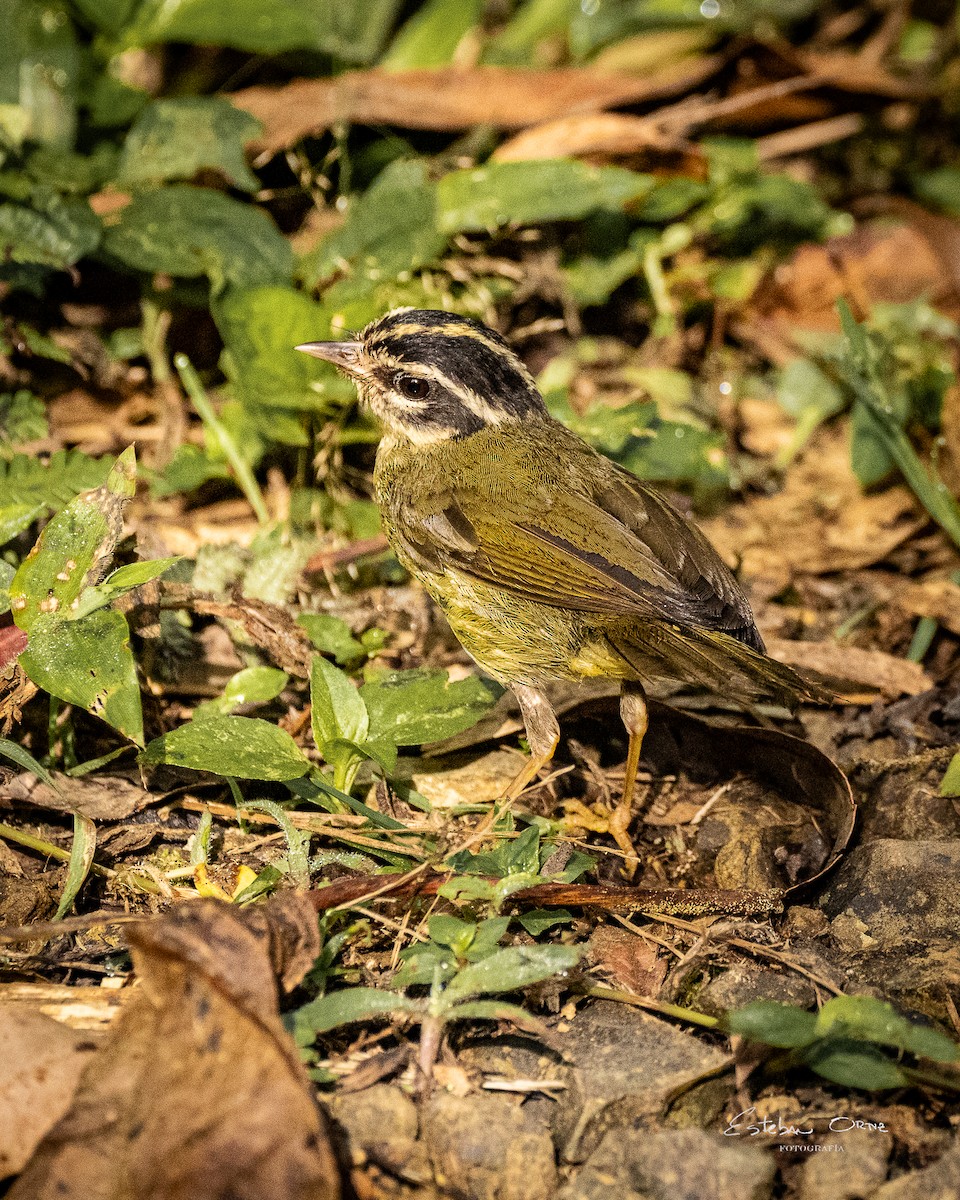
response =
{"points": [[412, 386]]}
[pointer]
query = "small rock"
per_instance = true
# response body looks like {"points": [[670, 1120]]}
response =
{"points": [[627, 1067], [682, 1164], [381, 1126], [745, 982], [858, 1173], [485, 1147], [939, 1181], [904, 893], [902, 799]]}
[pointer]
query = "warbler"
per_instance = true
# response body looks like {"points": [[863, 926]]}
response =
{"points": [[549, 560]]}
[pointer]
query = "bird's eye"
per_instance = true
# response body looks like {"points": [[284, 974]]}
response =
{"points": [[412, 386]]}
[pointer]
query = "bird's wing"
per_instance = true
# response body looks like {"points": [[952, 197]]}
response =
{"points": [[607, 545]]}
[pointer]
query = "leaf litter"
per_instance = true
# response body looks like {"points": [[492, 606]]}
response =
{"points": [[595, 188]]}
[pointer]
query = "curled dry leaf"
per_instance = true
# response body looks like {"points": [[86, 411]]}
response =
{"points": [[609, 135], [104, 798], [453, 98], [819, 522], [632, 962], [198, 1092]]}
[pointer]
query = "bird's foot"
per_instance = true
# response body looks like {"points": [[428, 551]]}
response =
{"points": [[615, 822]]}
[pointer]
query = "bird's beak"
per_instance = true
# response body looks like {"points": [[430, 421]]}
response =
{"points": [[345, 355]]}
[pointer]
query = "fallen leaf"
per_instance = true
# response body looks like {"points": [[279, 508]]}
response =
{"points": [[453, 98], [198, 1092], [874, 669], [42, 1061], [603, 134], [106, 798], [818, 523], [631, 961], [937, 598]]}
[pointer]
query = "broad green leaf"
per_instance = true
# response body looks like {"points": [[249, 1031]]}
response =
{"points": [[430, 37], [81, 860], [592, 278], [855, 1064], [532, 22], [871, 1020], [390, 229], [450, 931], [25, 480], [556, 189], [73, 550], [192, 231], [176, 138], [810, 397], [425, 965], [345, 1007], [775, 1024], [539, 920], [511, 969], [252, 685], [88, 663], [495, 1010], [54, 233], [940, 187], [336, 706], [353, 32], [109, 16], [245, 747], [260, 327], [332, 635], [15, 518], [414, 707], [950, 784]]}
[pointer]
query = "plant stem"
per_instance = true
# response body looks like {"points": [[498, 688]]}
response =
{"points": [[241, 468]]}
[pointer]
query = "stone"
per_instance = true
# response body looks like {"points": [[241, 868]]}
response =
{"points": [[485, 1147], [904, 893], [855, 1174], [623, 1067], [676, 1164], [381, 1125], [744, 982], [939, 1181]]}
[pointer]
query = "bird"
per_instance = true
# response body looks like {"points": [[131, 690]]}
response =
{"points": [[549, 560]]}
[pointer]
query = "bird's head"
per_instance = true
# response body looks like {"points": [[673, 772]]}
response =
{"points": [[431, 375]]}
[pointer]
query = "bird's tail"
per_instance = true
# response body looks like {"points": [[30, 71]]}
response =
{"points": [[716, 661]]}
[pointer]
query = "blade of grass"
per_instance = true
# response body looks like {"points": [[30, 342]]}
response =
{"points": [[241, 468], [80, 863]]}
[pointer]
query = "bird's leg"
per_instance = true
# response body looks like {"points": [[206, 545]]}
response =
{"points": [[543, 734], [633, 713]]}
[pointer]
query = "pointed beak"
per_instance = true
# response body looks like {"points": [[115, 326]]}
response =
{"points": [[345, 355]]}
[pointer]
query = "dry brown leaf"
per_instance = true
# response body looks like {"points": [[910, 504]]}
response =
{"points": [[874, 669], [42, 1061], [106, 798], [198, 1092], [609, 135], [453, 98], [819, 523], [633, 962], [937, 598], [79, 1008]]}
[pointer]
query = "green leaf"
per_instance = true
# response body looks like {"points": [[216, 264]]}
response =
{"points": [[191, 231], [260, 328], [252, 685], [345, 1007], [15, 518], [89, 663], [353, 32], [54, 233], [72, 550], [25, 481], [539, 920], [950, 784], [557, 189], [871, 1020], [810, 397], [23, 758], [332, 636], [336, 706], [390, 229], [81, 860], [245, 747], [119, 582], [511, 969], [425, 965], [855, 1064], [939, 187], [176, 138], [109, 16], [430, 37], [495, 1010], [39, 68], [414, 707], [775, 1024]]}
